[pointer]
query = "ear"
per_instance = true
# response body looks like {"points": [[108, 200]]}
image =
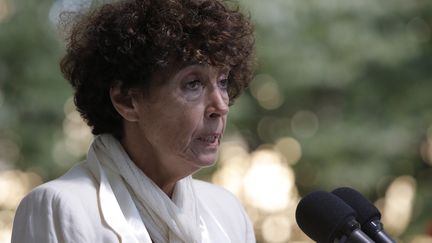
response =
{"points": [[124, 103]]}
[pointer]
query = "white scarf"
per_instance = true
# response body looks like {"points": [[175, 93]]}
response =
{"points": [[138, 210]]}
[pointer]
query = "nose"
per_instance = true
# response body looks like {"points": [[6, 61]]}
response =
{"points": [[217, 103]]}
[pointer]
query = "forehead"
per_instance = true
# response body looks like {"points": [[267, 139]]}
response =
{"points": [[201, 68]]}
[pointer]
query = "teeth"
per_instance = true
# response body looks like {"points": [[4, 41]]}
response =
{"points": [[209, 139]]}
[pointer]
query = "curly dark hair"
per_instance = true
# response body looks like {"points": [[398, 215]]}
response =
{"points": [[125, 42]]}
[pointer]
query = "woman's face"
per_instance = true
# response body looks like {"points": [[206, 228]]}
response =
{"points": [[182, 120]]}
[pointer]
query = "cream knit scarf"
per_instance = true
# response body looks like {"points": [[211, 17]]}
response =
{"points": [[135, 207]]}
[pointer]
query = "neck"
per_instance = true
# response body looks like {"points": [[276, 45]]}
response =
{"points": [[164, 173]]}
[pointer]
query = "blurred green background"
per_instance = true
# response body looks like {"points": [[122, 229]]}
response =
{"points": [[342, 94]]}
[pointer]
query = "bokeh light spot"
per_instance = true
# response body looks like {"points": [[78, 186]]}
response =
{"points": [[290, 148], [398, 204], [233, 146], [7, 9], [421, 239], [276, 228], [265, 127], [76, 137], [268, 182], [304, 124], [230, 176], [61, 6], [267, 92], [14, 185]]}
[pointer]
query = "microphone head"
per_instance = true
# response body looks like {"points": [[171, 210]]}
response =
{"points": [[366, 211], [322, 216]]}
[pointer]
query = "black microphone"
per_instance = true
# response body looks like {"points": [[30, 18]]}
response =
{"points": [[367, 214], [325, 218]]}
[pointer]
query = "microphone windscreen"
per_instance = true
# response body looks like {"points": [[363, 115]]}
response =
{"points": [[322, 215], [366, 211]]}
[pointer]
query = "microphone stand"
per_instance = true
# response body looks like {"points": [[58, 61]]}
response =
{"points": [[353, 234]]}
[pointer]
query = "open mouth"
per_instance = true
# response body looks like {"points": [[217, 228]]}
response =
{"points": [[211, 139]]}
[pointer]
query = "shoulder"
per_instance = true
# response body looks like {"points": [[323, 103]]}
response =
{"points": [[76, 180], [62, 210], [75, 187], [72, 184]]}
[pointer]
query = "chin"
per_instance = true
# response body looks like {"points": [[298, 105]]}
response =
{"points": [[205, 161]]}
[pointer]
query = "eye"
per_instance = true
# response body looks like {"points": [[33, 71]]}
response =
{"points": [[193, 85], [223, 84]]}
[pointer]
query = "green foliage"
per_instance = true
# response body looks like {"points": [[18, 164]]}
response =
{"points": [[31, 84], [361, 68]]}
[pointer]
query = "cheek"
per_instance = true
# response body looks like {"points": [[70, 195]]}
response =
{"points": [[173, 123], [180, 127]]}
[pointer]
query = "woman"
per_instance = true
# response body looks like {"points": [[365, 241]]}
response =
{"points": [[154, 80]]}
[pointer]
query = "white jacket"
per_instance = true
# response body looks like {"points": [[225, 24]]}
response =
{"points": [[66, 210]]}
